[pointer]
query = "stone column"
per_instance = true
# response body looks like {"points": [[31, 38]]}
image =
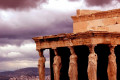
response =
{"points": [[92, 64], [73, 70], [56, 65], [41, 65], [112, 66]]}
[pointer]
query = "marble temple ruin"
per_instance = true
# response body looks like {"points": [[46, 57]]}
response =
{"points": [[91, 52]]}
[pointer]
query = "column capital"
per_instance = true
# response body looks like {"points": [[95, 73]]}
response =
{"points": [[54, 47], [91, 48], [112, 48], [55, 52], [41, 52], [72, 49]]}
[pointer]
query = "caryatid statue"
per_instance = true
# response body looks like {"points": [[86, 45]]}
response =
{"points": [[73, 71], [92, 64], [57, 66], [112, 66], [41, 65]]}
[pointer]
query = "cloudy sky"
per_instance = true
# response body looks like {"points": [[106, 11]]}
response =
{"points": [[20, 20]]}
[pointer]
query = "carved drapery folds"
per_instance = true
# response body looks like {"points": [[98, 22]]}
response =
{"points": [[92, 64], [56, 65], [112, 66], [73, 66], [73, 71], [41, 65]]}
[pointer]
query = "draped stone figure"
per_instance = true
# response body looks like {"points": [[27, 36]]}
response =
{"points": [[41, 67], [92, 67], [57, 66], [73, 72], [112, 66]]}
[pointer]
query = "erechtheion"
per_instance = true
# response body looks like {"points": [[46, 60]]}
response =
{"points": [[91, 52]]}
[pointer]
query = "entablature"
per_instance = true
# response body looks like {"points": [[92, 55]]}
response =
{"points": [[71, 39]]}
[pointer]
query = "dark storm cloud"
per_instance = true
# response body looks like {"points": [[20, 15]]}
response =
{"points": [[17, 36], [23, 26], [6, 41], [98, 2], [28, 33], [19, 4], [11, 35]]}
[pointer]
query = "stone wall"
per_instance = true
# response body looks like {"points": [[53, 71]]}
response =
{"points": [[99, 21]]}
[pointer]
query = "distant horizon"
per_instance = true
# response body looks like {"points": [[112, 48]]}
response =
{"points": [[22, 68], [24, 73]]}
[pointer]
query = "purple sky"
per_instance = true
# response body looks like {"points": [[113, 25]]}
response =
{"points": [[20, 20]]}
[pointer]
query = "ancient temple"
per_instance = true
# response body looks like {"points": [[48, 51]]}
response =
{"points": [[91, 52]]}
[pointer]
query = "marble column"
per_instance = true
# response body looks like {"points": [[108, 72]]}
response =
{"points": [[92, 64], [73, 70], [112, 66], [57, 65], [41, 65]]}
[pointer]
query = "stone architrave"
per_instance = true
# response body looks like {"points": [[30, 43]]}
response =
{"points": [[73, 71], [41, 67], [57, 66], [92, 65], [112, 66]]}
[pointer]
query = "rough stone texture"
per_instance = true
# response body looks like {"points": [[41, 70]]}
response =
{"points": [[86, 38], [92, 64], [96, 21], [112, 66], [85, 12], [92, 67], [97, 25], [97, 15], [41, 68], [57, 66], [73, 70]]}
